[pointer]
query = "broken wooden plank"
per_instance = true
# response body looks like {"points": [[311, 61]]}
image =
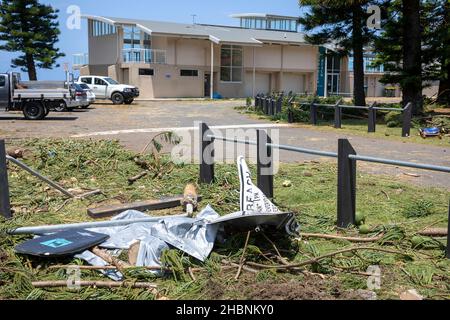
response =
{"points": [[163, 203]]}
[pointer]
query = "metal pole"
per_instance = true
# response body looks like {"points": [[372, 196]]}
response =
{"points": [[211, 89], [39, 176], [88, 225], [254, 74], [431, 167], [346, 193], [5, 206], [337, 115], [325, 80], [206, 154], [407, 115], [372, 118], [448, 233], [264, 163]]}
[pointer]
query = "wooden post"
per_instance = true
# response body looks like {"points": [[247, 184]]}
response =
{"points": [[313, 113], [5, 206], [264, 164], [337, 115], [206, 154], [407, 116], [346, 193], [372, 118]]}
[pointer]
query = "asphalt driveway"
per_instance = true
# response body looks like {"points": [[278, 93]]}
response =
{"points": [[135, 125]]}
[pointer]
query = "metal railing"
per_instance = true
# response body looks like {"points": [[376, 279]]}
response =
{"points": [[5, 206], [346, 162], [271, 105], [144, 56]]}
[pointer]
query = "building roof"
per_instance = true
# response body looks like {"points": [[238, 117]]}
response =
{"points": [[262, 15], [217, 34]]}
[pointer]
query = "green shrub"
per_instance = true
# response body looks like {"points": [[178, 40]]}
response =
{"points": [[393, 119], [419, 208], [248, 102]]}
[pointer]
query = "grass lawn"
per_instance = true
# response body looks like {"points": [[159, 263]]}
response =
{"points": [[359, 127], [394, 209]]}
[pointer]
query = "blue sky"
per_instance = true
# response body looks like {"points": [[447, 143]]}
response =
{"points": [[207, 11]]}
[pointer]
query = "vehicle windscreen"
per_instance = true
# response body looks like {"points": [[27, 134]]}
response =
{"points": [[111, 81]]}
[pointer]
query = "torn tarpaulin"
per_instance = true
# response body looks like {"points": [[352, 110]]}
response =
{"points": [[196, 236]]}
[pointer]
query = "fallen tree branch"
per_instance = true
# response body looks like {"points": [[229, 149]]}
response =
{"points": [[351, 239], [317, 259], [241, 262], [110, 259], [191, 274], [235, 265], [98, 284], [135, 178], [434, 232]]}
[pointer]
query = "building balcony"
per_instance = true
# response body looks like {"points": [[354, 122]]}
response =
{"points": [[80, 60], [154, 56]]}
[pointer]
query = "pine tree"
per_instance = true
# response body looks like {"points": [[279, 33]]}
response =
{"points": [[437, 46], [343, 23], [402, 49], [31, 28]]}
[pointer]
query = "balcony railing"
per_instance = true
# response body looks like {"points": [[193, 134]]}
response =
{"points": [[80, 59], [144, 56]]}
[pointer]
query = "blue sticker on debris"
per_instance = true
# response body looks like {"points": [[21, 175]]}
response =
{"points": [[56, 243]]}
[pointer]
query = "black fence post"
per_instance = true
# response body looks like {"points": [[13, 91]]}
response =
{"points": [[407, 116], [337, 115], [272, 105], [372, 118], [256, 101], [265, 103], [346, 193], [279, 104], [264, 164], [5, 205], [206, 154], [448, 233], [313, 113]]}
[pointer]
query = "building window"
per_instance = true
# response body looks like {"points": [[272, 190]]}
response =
{"points": [[146, 72], [99, 29], [368, 67], [188, 73], [231, 63]]}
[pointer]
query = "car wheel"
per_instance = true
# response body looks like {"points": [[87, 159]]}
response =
{"points": [[117, 98], [34, 111], [61, 106], [129, 101]]}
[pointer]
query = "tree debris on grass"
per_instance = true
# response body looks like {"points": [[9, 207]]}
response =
{"points": [[105, 165]]}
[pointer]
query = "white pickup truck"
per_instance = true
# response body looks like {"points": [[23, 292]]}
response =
{"points": [[35, 103], [108, 88]]}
